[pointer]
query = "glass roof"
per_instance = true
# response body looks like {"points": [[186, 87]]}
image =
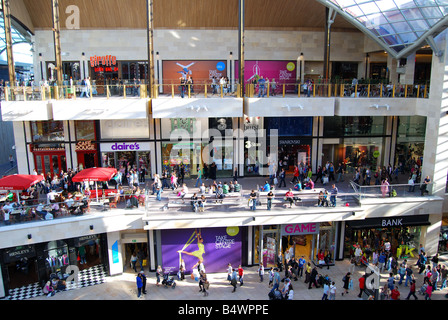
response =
{"points": [[397, 25], [16, 35]]}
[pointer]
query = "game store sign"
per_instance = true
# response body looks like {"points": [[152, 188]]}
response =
{"points": [[296, 229]]}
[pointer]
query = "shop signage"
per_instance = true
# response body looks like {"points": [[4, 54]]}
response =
{"points": [[300, 229], [14, 254], [404, 221], [85, 145], [125, 146], [106, 61], [289, 141]]}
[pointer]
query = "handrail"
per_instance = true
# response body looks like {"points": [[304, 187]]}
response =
{"points": [[205, 89], [379, 191]]}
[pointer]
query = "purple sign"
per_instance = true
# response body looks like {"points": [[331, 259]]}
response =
{"points": [[125, 146], [281, 71], [216, 247]]}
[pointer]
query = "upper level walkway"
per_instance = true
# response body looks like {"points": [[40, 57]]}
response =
{"points": [[208, 90], [352, 201]]}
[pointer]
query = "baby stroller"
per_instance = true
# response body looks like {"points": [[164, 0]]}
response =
{"points": [[168, 281], [275, 295]]}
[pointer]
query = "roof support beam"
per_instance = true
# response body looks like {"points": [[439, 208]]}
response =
{"points": [[437, 52], [241, 45], [8, 38], [57, 41], [150, 36]]}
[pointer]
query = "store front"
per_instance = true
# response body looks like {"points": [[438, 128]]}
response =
{"points": [[106, 70], [86, 149], [126, 156], [360, 141], [403, 233], [49, 160], [294, 240], [410, 142], [294, 140], [48, 148], [30, 264], [19, 266]]}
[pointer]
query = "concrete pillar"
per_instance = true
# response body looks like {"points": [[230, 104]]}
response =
{"points": [[392, 67], [115, 253], [408, 76], [435, 159]]}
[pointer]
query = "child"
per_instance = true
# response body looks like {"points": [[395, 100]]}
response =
{"points": [[428, 292], [271, 277], [261, 272]]}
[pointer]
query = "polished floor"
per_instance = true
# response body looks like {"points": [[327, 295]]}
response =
{"points": [[123, 287]]}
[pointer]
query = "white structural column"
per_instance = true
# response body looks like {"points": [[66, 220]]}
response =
{"points": [[392, 66], [435, 159], [408, 76]]}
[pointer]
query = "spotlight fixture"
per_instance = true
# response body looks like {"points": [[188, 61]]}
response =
{"points": [[29, 236], [91, 227]]}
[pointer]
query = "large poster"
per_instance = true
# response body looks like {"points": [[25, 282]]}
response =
{"points": [[200, 71], [281, 71], [216, 247]]}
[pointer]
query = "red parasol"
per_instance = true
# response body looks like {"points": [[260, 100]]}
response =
{"points": [[19, 181], [95, 174]]}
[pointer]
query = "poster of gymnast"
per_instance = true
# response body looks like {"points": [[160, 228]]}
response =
{"points": [[215, 247]]}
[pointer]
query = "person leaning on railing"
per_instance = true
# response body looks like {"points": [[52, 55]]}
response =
{"points": [[424, 185]]}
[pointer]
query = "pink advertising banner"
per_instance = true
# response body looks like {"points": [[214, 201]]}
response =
{"points": [[282, 71]]}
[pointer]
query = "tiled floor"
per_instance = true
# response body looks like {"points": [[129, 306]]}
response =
{"points": [[88, 277], [123, 287]]}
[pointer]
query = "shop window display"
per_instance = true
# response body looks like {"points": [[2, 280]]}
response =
{"points": [[44, 131], [88, 251], [404, 240], [57, 258], [354, 126]]}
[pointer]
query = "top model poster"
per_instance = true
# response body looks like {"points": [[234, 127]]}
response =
{"points": [[281, 71], [215, 247], [199, 70]]}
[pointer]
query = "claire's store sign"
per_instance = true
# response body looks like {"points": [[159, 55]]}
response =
{"points": [[125, 146], [300, 229]]}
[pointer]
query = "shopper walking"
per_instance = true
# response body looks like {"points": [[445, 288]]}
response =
{"points": [[233, 280], [202, 282], [241, 275], [333, 291], [362, 285], [261, 271], [139, 281], [313, 278], [134, 260], [143, 276], [346, 283], [159, 273], [412, 291], [281, 178]]}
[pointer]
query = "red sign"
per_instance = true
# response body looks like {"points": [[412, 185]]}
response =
{"points": [[103, 60], [106, 69]]}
